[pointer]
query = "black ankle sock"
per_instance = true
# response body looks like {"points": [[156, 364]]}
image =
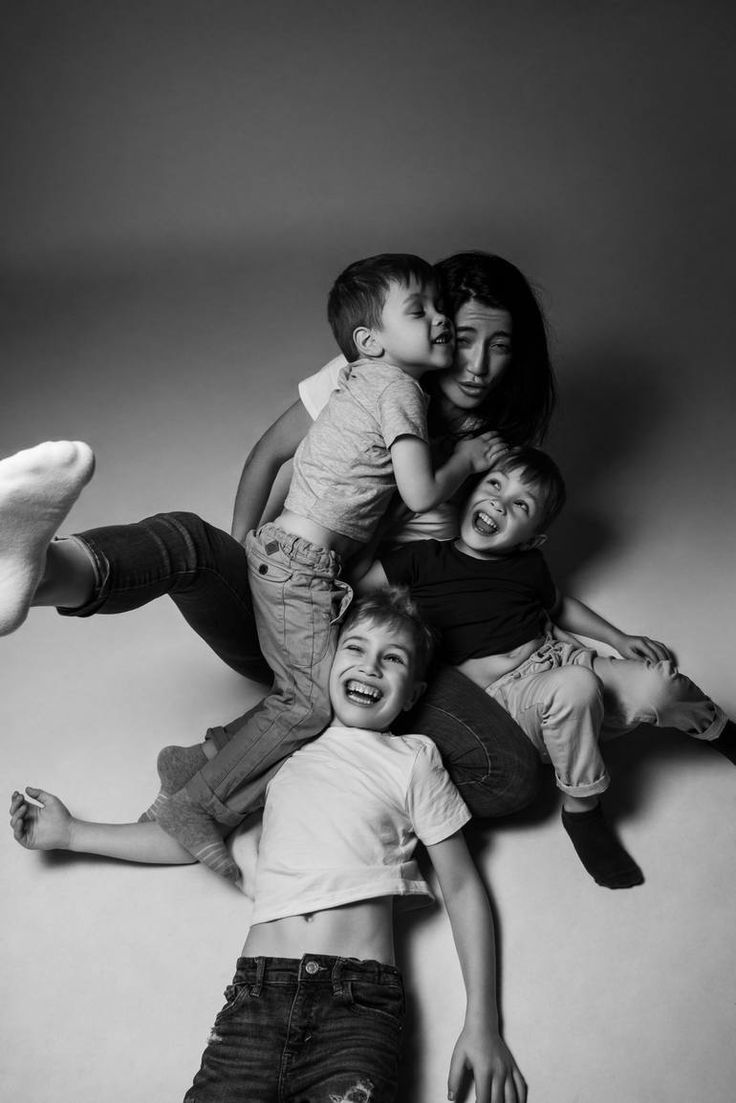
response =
{"points": [[726, 742], [600, 851]]}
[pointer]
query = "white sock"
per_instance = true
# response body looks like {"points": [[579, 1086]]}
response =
{"points": [[38, 487]]}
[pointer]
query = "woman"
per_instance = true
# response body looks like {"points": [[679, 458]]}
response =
{"points": [[501, 380]]}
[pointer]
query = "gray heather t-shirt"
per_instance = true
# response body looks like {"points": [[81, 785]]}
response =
{"points": [[343, 476]]}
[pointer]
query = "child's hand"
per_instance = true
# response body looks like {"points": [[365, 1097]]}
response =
{"points": [[482, 452], [47, 827], [641, 647], [495, 1072], [498, 450]]}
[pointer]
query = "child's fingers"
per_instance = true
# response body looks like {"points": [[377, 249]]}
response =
{"points": [[17, 808], [18, 823], [520, 1085], [654, 650], [496, 453], [454, 1079], [18, 820], [18, 813], [39, 794]]}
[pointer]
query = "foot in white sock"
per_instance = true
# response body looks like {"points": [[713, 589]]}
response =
{"points": [[37, 489]]}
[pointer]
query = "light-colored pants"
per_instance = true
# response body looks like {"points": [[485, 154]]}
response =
{"points": [[298, 601], [567, 698]]}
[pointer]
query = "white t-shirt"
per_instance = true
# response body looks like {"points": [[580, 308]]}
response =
{"points": [[315, 390], [342, 819], [400, 525]]}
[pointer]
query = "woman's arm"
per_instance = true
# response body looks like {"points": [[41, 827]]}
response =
{"points": [[277, 445], [480, 1047], [573, 616], [48, 825], [420, 487]]}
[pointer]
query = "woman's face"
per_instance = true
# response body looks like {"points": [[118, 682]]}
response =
{"points": [[482, 354]]}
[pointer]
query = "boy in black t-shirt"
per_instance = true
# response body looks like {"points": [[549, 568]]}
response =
{"points": [[492, 597]]}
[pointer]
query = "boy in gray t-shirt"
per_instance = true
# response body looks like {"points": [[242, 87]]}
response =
{"points": [[369, 441]]}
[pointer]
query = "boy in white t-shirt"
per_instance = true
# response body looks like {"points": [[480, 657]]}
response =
{"points": [[341, 823]]}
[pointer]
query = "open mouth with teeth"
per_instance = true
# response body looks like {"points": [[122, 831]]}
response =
{"points": [[442, 339], [362, 694], [484, 523]]}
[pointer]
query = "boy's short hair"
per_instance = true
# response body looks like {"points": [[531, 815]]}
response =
{"points": [[359, 293], [394, 608], [539, 471]]}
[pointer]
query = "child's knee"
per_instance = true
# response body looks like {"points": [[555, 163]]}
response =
{"points": [[659, 684], [577, 686]]}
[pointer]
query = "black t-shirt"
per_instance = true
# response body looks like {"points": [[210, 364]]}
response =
{"points": [[481, 606]]}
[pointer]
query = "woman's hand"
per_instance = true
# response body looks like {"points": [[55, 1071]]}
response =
{"points": [[642, 647], [42, 826], [486, 1056]]}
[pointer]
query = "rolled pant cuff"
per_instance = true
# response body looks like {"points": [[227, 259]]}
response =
{"points": [[714, 729], [102, 573], [200, 794], [590, 789]]}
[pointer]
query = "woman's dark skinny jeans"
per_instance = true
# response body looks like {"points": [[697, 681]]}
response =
{"points": [[203, 570]]}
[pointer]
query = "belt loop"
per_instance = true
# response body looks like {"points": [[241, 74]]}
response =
{"points": [[257, 986], [338, 984]]}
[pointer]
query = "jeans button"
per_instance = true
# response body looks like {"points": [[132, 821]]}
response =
{"points": [[312, 967], [263, 569]]}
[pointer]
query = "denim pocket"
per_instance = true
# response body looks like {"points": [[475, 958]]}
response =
{"points": [[235, 995], [384, 1000]]}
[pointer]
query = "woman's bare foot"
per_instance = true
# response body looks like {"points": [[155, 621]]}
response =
{"points": [[38, 487]]}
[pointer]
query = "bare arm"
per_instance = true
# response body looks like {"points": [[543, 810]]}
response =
{"points": [[277, 445], [44, 823], [365, 579], [574, 616], [480, 1047], [420, 487]]}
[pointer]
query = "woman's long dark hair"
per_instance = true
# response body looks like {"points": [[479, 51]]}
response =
{"points": [[521, 402]]}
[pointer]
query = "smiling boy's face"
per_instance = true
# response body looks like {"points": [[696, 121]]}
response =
{"points": [[502, 513], [372, 678], [414, 334]]}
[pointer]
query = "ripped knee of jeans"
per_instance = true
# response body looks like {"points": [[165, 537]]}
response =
{"points": [[360, 1092]]}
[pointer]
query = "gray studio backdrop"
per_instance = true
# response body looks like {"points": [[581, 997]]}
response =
{"points": [[180, 183]]}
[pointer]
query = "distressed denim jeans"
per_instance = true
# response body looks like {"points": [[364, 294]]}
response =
{"points": [[201, 568], [316, 1030]]}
